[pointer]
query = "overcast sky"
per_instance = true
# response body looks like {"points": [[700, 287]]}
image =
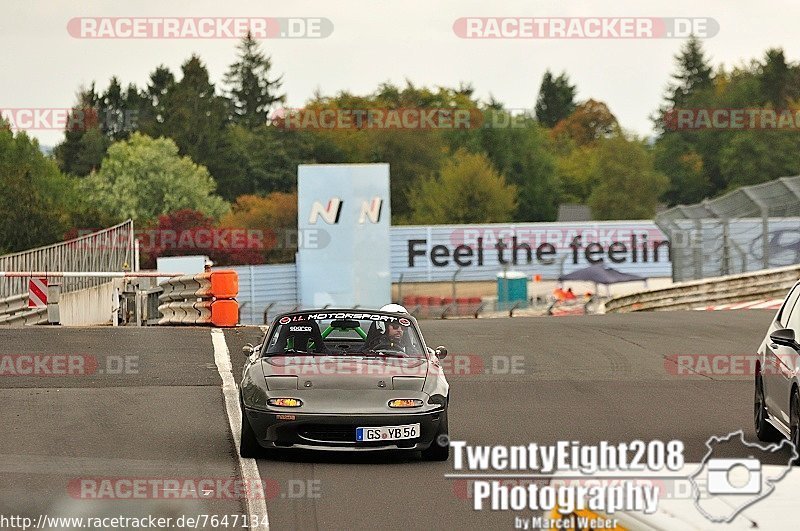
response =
{"points": [[385, 40]]}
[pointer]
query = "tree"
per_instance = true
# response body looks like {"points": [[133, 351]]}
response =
{"points": [[589, 122], [556, 99], [152, 116], [95, 122], [628, 186], [258, 161], [194, 116], [251, 91], [143, 178], [778, 82], [576, 173], [754, 157], [678, 159], [409, 155], [518, 147], [82, 118], [692, 76], [274, 217], [35, 203], [93, 146], [189, 232], [467, 190]]}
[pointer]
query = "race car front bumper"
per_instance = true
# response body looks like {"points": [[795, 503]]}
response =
{"points": [[338, 432]]}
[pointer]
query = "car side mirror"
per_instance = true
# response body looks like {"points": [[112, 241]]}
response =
{"points": [[248, 350], [441, 352], [785, 337]]}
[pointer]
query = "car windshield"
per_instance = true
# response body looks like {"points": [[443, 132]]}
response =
{"points": [[345, 334]]}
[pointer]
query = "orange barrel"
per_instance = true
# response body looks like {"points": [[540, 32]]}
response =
{"points": [[225, 312], [224, 284]]}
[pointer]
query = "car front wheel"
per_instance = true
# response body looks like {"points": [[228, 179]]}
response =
{"points": [[439, 450], [248, 445], [794, 422], [764, 430]]}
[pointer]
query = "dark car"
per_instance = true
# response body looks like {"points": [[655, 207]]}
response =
{"points": [[777, 398], [344, 380]]}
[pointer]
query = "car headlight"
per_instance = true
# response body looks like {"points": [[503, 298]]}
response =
{"points": [[285, 402], [405, 402]]}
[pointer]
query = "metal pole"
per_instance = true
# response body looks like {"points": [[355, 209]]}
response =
{"points": [[87, 274], [454, 282], [765, 236], [136, 254], [726, 253], [400, 289]]}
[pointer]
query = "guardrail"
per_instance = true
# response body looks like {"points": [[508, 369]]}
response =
{"points": [[206, 298], [14, 311], [770, 283], [106, 250]]}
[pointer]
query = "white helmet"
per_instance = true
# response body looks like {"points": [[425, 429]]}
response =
{"points": [[393, 308]]}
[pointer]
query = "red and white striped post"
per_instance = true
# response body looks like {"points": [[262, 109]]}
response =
{"points": [[37, 292]]}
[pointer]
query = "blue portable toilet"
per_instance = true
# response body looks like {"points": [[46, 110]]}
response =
{"points": [[512, 288]]}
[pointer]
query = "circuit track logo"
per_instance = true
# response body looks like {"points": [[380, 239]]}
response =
{"points": [[732, 485]]}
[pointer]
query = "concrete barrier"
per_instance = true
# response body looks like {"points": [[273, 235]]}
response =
{"points": [[91, 306], [769, 283]]}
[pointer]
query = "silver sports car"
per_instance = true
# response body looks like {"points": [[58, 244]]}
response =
{"points": [[344, 380], [777, 398]]}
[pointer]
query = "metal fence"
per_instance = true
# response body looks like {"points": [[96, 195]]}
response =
{"points": [[103, 251], [266, 290], [751, 228]]}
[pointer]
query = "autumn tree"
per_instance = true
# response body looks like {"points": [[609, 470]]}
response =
{"points": [[588, 123], [274, 218]]}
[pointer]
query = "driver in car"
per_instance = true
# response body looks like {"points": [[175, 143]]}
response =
{"points": [[391, 339]]}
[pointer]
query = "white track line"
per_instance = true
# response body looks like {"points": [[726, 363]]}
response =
{"points": [[772, 304], [256, 506]]}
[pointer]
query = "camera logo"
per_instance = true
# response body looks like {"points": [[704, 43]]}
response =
{"points": [[723, 486], [734, 476]]}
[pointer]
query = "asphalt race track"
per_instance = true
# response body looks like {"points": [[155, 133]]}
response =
{"points": [[147, 403]]}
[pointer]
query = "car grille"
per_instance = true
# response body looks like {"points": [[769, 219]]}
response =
{"points": [[328, 432]]}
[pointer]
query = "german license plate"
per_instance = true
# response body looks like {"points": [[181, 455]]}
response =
{"points": [[387, 433]]}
